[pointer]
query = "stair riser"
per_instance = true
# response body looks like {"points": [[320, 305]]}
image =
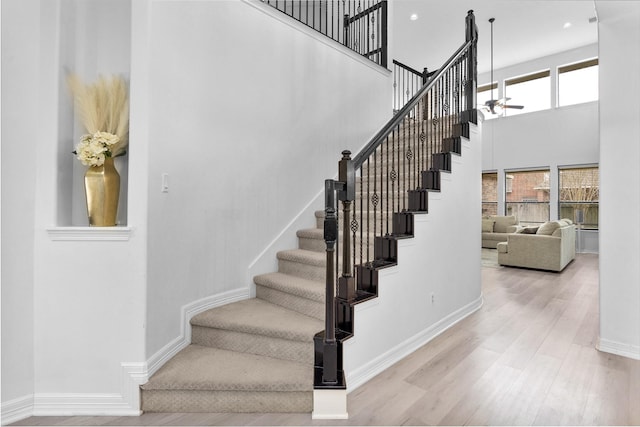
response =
{"points": [[317, 273], [370, 222], [319, 245], [305, 271], [227, 401], [311, 244], [292, 302], [296, 351]]}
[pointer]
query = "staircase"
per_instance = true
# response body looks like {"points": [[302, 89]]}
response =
{"points": [[268, 353], [254, 355], [257, 355]]}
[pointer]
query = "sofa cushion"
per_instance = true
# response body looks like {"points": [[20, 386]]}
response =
{"points": [[530, 230], [503, 222], [548, 228], [487, 225]]}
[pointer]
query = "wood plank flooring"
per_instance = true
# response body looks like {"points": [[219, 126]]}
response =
{"points": [[527, 357]]}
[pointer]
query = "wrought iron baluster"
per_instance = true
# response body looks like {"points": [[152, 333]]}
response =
{"points": [[404, 166], [387, 189]]}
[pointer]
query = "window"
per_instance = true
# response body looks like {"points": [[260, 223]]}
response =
{"points": [[485, 94], [578, 194], [578, 83], [490, 193], [531, 91], [528, 199]]}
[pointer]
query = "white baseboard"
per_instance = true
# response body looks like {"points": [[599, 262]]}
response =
{"points": [[17, 409], [620, 349], [126, 403], [366, 372], [163, 355], [68, 404]]}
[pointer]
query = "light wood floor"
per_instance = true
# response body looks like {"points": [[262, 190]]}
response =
{"points": [[527, 357]]}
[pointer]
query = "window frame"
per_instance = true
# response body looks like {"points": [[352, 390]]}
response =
{"points": [[507, 203], [591, 203], [490, 202], [574, 66], [529, 77]]}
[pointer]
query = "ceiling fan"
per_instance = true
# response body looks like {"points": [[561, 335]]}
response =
{"points": [[491, 104]]}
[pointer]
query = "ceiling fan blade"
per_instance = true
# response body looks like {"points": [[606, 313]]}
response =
{"points": [[518, 107]]}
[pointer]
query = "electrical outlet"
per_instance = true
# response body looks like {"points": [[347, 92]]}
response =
{"points": [[433, 298]]}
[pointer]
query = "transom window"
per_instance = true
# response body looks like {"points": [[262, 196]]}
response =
{"points": [[532, 91], [578, 83]]}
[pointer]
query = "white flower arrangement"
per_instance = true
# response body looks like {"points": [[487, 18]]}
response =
{"points": [[103, 108], [93, 149]]}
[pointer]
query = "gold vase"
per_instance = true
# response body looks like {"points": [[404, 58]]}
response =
{"points": [[102, 188]]}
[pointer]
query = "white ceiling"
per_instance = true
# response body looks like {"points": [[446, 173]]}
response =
{"points": [[523, 29]]}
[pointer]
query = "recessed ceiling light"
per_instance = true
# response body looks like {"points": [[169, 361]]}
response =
{"points": [[566, 25], [414, 16]]}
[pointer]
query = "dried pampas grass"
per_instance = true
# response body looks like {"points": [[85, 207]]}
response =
{"points": [[103, 107]]}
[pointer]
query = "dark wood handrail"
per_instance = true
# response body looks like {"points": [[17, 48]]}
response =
{"points": [[375, 142], [449, 114], [406, 67]]}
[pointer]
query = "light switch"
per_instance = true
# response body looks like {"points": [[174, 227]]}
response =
{"points": [[165, 183]]}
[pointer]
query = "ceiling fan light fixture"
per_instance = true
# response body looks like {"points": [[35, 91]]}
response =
{"points": [[496, 106], [566, 25]]}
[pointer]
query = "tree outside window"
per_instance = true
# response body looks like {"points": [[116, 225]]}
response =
{"points": [[579, 190]]}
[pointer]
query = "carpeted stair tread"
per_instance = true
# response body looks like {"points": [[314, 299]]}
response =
{"points": [[258, 317], [304, 288], [316, 259], [206, 368]]}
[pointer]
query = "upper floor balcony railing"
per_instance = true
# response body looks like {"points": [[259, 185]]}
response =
{"points": [[360, 25]]}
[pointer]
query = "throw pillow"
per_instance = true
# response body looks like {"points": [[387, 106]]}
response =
{"points": [[548, 228], [502, 222], [530, 230], [487, 226]]}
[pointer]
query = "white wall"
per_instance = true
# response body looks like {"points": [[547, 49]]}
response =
{"points": [[248, 116], [73, 317], [20, 49], [213, 85], [440, 261], [89, 290], [619, 32]]}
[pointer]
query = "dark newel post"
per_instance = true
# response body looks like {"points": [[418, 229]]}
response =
{"points": [[330, 349], [346, 175], [425, 76], [472, 73]]}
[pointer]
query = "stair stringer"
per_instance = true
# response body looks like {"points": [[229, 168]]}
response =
{"points": [[443, 260]]}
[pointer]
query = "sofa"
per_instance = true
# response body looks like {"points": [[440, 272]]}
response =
{"points": [[550, 246], [496, 228]]}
